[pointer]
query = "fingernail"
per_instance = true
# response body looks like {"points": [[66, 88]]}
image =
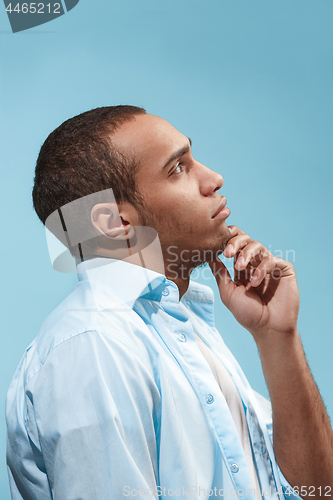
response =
{"points": [[254, 278], [240, 262]]}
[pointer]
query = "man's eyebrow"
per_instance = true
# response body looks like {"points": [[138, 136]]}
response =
{"points": [[179, 153]]}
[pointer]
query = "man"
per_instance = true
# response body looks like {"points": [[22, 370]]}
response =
{"points": [[129, 390]]}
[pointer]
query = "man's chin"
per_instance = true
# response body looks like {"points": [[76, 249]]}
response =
{"points": [[210, 254]]}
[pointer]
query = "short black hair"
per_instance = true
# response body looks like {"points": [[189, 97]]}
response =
{"points": [[78, 159]]}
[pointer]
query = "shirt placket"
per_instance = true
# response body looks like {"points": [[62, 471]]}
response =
{"points": [[180, 340]]}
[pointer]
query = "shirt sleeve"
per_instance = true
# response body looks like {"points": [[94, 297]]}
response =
{"points": [[96, 404]]}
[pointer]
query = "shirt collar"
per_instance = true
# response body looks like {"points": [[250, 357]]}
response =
{"points": [[118, 282]]}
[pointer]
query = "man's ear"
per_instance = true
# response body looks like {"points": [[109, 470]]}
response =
{"points": [[111, 223]]}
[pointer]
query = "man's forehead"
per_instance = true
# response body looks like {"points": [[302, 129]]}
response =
{"points": [[147, 135]]}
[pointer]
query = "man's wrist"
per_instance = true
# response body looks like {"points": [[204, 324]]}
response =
{"points": [[277, 340]]}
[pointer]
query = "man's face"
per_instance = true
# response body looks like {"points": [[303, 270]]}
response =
{"points": [[180, 194]]}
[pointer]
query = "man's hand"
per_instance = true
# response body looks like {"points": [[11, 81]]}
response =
{"points": [[264, 295], [264, 299]]}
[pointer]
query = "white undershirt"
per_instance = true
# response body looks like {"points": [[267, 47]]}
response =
{"points": [[235, 405]]}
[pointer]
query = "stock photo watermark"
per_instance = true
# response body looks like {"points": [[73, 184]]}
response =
{"points": [[179, 263], [26, 15], [197, 491]]}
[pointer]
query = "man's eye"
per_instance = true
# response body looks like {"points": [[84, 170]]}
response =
{"points": [[178, 170]]}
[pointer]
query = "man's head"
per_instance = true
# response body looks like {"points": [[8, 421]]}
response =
{"points": [[149, 166]]}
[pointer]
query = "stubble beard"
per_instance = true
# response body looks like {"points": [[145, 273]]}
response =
{"points": [[175, 261]]}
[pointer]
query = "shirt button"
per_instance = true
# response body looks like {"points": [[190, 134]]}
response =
{"points": [[209, 398], [165, 292], [182, 337], [234, 468]]}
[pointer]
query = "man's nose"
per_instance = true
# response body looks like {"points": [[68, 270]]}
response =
{"points": [[210, 181]]}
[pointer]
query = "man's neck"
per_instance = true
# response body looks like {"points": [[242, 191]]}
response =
{"points": [[179, 273]]}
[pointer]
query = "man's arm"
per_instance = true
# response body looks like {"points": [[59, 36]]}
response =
{"points": [[264, 299], [302, 434]]}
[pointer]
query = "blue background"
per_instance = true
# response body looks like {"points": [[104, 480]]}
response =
{"points": [[250, 81]]}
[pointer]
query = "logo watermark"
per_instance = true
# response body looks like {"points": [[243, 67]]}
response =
{"points": [[25, 15], [193, 491], [198, 491], [179, 262]]}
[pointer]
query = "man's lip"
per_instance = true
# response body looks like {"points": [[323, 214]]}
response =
{"points": [[221, 206]]}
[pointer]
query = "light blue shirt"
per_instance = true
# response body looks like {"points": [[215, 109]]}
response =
{"points": [[114, 399]]}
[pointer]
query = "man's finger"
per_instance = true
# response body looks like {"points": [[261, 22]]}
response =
{"points": [[236, 243], [274, 266], [234, 230], [223, 279], [253, 252]]}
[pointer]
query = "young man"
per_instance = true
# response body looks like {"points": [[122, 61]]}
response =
{"points": [[129, 390]]}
